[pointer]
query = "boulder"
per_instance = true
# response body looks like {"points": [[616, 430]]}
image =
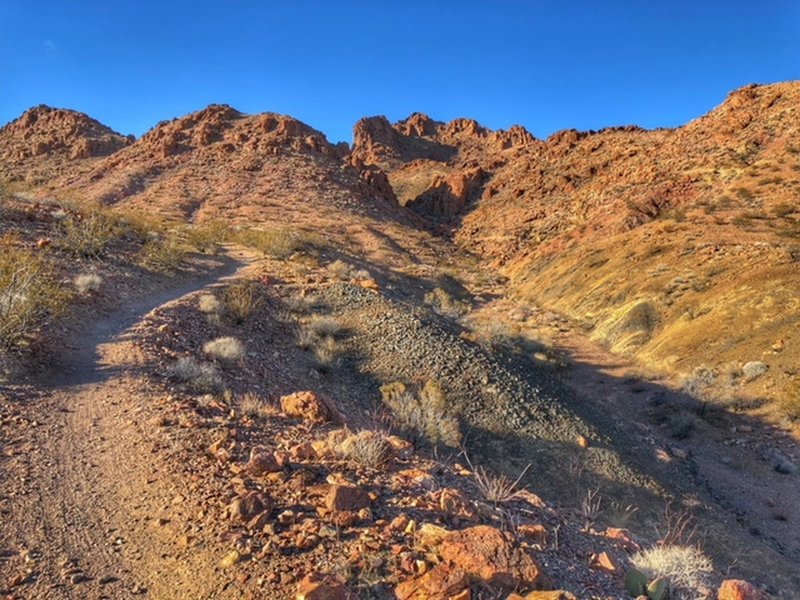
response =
{"points": [[347, 498], [738, 589], [262, 461], [487, 554], [307, 406]]}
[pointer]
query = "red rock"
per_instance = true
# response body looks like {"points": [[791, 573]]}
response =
{"points": [[605, 562], [443, 582], [489, 555], [347, 497], [316, 586], [249, 506], [454, 504], [738, 589], [262, 461], [307, 406], [623, 537]]}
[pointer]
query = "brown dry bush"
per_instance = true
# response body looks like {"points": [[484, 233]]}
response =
{"points": [[422, 412], [30, 294], [241, 300]]}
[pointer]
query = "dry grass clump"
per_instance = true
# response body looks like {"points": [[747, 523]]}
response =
{"points": [[254, 406], [341, 270], [30, 294], [87, 235], [327, 352], [300, 304], [198, 376], [497, 489], [422, 412], [326, 327], [225, 348], [444, 304], [686, 569], [209, 304], [162, 256], [369, 449], [208, 237], [241, 300], [278, 243], [87, 282]]}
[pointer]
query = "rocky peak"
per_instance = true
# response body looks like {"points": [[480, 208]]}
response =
{"points": [[44, 130], [418, 125]]}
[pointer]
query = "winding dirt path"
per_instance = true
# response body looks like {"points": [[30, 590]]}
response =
{"points": [[83, 495]]}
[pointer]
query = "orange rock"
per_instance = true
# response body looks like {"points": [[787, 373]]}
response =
{"points": [[347, 497], [316, 586], [535, 533], [307, 406], [369, 284], [453, 503], [488, 554], [605, 562], [554, 595], [443, 582], [623, 537], [303, 451], [582, 442], [738, 589]]}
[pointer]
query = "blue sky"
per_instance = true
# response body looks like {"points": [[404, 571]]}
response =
{"points": [[547, 65]]}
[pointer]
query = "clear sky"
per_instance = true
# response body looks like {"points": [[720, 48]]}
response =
{"points": [[547, 65]]}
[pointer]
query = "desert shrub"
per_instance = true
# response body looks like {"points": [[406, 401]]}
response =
{"points": [[87, 282], [422, 412], [327, 352], [29, 293], [142, 226], [681, 425], [198, 376], [325, 327], [208, 237], [686, 569], [341, 270], [784, 209], [278, 243], [209, 304], [225, 348], [87, 235], [370, 449], [254, 406], [162, 256], [241, 300], [744, 193], [496, 488], [300, 304], [444, 304]]}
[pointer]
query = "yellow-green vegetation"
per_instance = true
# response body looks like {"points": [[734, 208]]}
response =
{"points": [[87, 235], [241, 300], [422, 411], [30, 293], [208, 237], [277, 243], [727, 299], [163, 255]]}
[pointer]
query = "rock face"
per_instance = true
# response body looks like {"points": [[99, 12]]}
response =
{"points": [[46, 141], [487, 554]]}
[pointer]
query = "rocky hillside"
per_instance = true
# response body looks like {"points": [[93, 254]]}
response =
{"points": [[45, 141], [705, 215]]}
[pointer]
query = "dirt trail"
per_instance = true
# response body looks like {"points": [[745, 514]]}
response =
{"points": [[82, 519]]}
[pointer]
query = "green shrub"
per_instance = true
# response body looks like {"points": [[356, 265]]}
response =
{"points": [[163, 256], [87, 235], [208, 237]]}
